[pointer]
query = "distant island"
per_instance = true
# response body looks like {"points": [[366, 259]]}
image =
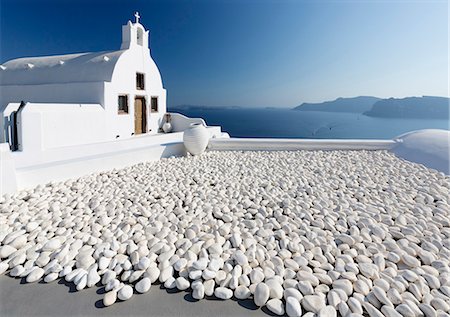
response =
{"points": [[356, 104], [426, 107], [411, 107]]}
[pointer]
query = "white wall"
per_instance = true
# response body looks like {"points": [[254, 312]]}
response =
{"points": [[69, 124], [92, 92], [46, 126], [255, 144], [62, 163], [89, 92], [137, 59], [8, 181]]}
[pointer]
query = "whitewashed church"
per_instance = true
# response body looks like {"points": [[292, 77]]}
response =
{"points": [[69, 115], [87, 97]]}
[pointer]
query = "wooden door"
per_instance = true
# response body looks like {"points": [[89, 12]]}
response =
{"points": [[140, 116]]}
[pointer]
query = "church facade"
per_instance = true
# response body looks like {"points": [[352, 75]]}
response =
{"points": [[54, 101]]}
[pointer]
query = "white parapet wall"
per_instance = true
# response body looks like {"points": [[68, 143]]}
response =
{"points": [[8, 179], [254, 144], [21, 171]]}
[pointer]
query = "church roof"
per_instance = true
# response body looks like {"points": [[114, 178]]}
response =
{"points": [[81, 67]]}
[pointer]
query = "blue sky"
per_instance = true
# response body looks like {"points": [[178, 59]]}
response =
{"points": [[253, 53]]}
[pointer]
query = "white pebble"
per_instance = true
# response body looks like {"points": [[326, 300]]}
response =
{"points": [[125, 293]]}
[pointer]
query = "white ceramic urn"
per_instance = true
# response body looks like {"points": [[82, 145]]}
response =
{"points": [[196, 138]]}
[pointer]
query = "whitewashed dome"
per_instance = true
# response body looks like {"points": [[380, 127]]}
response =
{"points": [[82, 67]]}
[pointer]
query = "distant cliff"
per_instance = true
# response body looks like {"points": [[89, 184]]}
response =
{"points": [[425, 107], [357, 105]]}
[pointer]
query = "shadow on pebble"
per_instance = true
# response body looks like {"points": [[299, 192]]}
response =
{"points": [[172, 290], [101, 291], [268, 312], [71, 286], [247, 303], [188, 297], [214, 298], [99, 304]]}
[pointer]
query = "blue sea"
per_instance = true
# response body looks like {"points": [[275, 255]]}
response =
{"points": [[287, 123]]}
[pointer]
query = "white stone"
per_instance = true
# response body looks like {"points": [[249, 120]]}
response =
{"points": [[19, 242], [143, 263], [292, 292], [240, 258], [293, 308], [50, 277], [52, 245], [92, 278], [209, 287], [3, 267], [35, 275], [143, 286], [256, 276], [328, 311], [440, 304], [371, 310], [182, 283], [381, 295], [276, 306], [345, 285], [6, 251], [405, 310], [180, 264], [110, 298], [276, 290], [154, 273], [125, 293], [261, 295], [410, 260], [170, 283], [17, 271], [242, 292], [313, 303], [81, 283], [200, 264], [215, 264], [223, 293], [389, 311], [428, 310], [103, 262], [198, 291]]}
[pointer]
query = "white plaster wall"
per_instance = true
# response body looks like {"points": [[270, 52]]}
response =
{"points": [[92, 92], [255, 144], [46, 126], [70, 124], [62, 163], [137, 59], [8, 181], [63, 170], [88, 92]]}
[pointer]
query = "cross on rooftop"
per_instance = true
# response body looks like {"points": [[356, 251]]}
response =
{"points": [[137, 16]]}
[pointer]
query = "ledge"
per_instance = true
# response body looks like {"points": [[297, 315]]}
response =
{"points": [[247, 144]]}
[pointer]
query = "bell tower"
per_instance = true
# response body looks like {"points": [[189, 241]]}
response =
{"points": [[134, 34]]}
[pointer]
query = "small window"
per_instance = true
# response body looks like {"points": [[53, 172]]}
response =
{"points": [[140, 81], [140, 37], [154, 104], [123, 104]]}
